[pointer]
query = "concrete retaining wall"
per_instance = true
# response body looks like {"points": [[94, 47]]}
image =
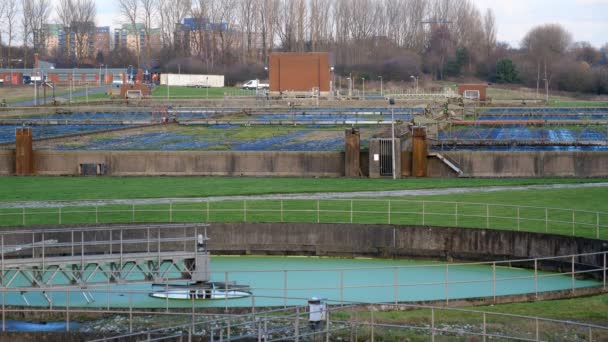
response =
{"points": [[525, 164], [7, 162], [395, 241], [186, 163], [308, 164]]}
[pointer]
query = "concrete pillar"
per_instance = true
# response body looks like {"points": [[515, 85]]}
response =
{"points": [[202, 268], [352, 138], [24, 153], [419, 152]]}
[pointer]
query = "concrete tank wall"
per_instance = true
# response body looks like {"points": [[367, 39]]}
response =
{"points": [[308, 164], [394, 241], [525, 164], [7, 162], [183, 163]]}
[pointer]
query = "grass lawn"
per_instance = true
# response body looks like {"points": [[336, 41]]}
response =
{"points": [[590, 310], [74, 188], [26, 93], [93, 97], [510, 210], [575, 103], [161, 91]]}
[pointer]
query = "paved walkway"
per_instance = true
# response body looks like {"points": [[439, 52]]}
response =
{"points": [[321, 195]]}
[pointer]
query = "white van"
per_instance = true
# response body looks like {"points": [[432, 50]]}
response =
{"points": [[255, 84]]}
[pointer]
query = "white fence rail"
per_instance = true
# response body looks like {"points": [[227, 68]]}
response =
{"points": [[572, 222]]}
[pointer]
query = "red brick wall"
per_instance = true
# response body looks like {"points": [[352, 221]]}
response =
{"points": [[299, 71]]}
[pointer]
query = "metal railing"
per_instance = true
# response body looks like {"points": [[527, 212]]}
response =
{"points": [[592, 224], [294, 324], [387, 284], [344, 319]]}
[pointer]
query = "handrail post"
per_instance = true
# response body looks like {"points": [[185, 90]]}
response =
{"points": [[447, 284], [605, 270], [423, 218], [597, 225], [433, 324], [572, 264], [484, 327], [494, 282], [396, 279], [341, 287], [573, 224], [536, 278], [487, 216], [318, 210]]}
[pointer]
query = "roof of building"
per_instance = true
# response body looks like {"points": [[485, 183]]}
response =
{"points": [[196, 24]]}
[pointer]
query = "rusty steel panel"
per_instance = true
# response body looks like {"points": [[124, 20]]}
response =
{"points": [[299, 72], [353, 152], [24, 153], [419, 152]]}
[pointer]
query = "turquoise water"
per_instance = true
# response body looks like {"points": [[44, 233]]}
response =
{"points": [[352, 280]]}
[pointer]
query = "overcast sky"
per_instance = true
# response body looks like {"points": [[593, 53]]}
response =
{"points": [[587, 20]]}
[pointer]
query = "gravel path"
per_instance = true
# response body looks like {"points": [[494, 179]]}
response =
{"points": [[323, 195]]}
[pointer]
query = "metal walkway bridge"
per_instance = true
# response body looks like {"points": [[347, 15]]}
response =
{"points": [[79, 257]]}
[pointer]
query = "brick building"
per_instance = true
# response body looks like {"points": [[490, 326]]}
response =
{"points": [[58, 41], [133, 38]]}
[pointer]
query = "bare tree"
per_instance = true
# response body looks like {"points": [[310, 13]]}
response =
{"points": [[11, 9], [2, 6], [149, 8], [35, 16], [129, 9], [248, 17], [489, 30], [172, 12], [78, 20], [544, 45]]}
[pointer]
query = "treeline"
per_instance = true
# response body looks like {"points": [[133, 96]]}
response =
{"points": [[393, 39]]}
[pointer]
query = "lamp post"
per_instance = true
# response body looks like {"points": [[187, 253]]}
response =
{"points": [[350, 87], [99, 77], [381, 90], [332, 82], [363, 80], [415, 78], [391, 102], [71, 85], [546, 91]]}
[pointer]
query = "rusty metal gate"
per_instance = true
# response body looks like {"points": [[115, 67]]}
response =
{"points": [[386, 157]]}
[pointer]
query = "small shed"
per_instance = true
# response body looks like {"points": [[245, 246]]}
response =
{"points": [[134, 91], [476, 92]]}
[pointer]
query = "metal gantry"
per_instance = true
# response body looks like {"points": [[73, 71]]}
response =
{"points": [[81, 257]]}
